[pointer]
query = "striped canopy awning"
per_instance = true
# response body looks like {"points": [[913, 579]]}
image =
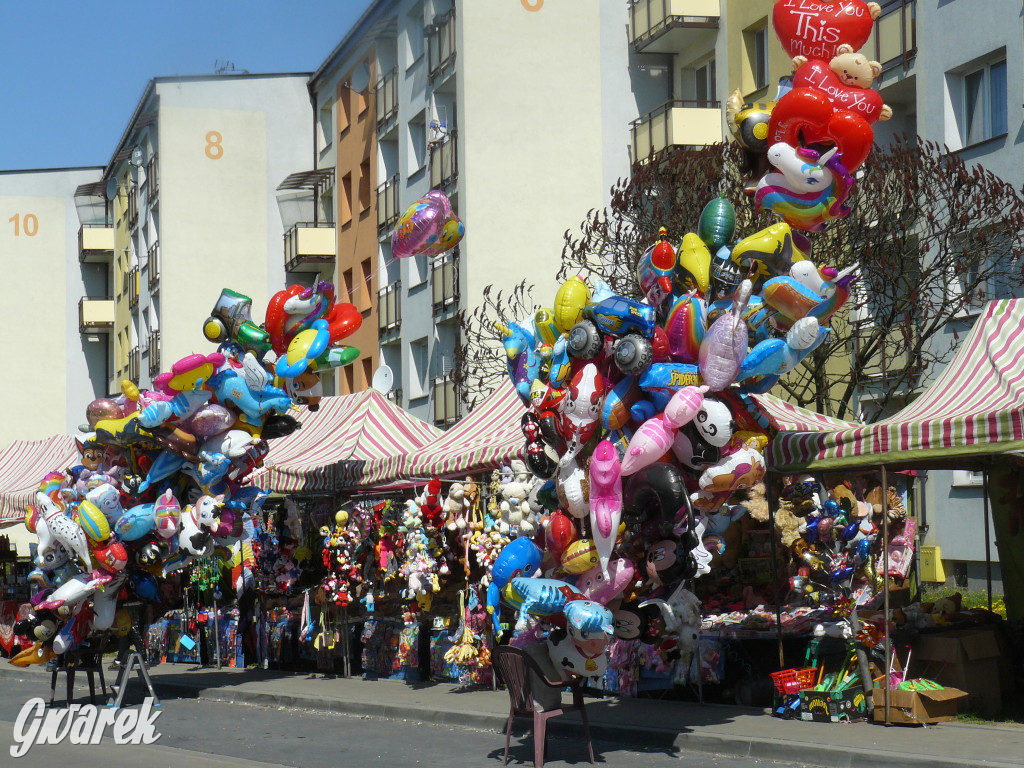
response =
{"points": [[24, 465], [488, 437], [781, 416], [975, 407], [351, 441]]}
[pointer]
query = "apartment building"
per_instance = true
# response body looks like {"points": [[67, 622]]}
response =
{"points": [[519, 111], [189, 195], [57, 312]]}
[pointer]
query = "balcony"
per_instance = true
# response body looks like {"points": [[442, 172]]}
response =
{"points": [[441, 41], [154, 353], [673, 26], [152, 182], [133, 287], [387, 206], [444, 283], [386, 99], [133, 364], [444, 161], [446, 403], [95, 243], [153, 260], [395, 396], [678, 123], [894, 39], [389, 310], [133, 207], [309, 245], [95, 314]]}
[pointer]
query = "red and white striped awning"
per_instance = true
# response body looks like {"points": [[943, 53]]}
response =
{"points": [[351, 441], [488, 437], [24, 465], [976, 406], [782, 416]]}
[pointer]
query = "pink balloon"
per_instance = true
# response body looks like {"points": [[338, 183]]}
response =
{"points": [[605, 499], [725, 345], [648, 444], [428, 227]]}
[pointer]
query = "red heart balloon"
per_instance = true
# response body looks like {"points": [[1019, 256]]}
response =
{"points": [[343, 320], [813, 28], [806, 116], [817, 74]]}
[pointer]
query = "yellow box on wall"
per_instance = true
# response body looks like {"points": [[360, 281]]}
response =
{"points": [[931, 565]]}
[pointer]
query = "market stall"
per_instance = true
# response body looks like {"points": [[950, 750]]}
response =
{"points": [[969, 417], [23, 464]]}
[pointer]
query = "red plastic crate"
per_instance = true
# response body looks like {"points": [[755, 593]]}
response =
{"points": [[789, 681]]}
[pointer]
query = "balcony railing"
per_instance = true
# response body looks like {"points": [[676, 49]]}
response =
{"points": [[672, 26], [894, 39], [152, 181], [95, 314], [386, 93], [441, 41], [444, 161], [446, 403], [154, 353], [389, 309], [677, 123], [153, 259], [133, 364], [133, 287], [95, 243], [387, 205], [308, 246], [444, 283], [133, 207], [395, 396]]}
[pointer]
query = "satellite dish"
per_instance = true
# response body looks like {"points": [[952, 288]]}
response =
{"points": [[137, 157], [111, 188], [383, 379], [361, 77]]}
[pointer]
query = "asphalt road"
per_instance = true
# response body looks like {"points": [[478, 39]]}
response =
{"points": [[201, 734]]}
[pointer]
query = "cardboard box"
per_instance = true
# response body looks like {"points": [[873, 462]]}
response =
{"points": [[917, 707], [833, 706], [967, 659]]}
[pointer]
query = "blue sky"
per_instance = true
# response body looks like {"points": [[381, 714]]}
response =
{"points": [[72, 72]]}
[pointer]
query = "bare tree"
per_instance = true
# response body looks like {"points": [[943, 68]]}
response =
{"points": [[932, 239]]}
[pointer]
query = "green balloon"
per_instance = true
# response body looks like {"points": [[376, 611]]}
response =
{"points": [[717, 223]]}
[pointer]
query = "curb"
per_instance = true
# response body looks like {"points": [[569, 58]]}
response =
{"points": [[637, 737]]}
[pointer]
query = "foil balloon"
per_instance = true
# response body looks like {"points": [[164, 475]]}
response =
{"points": [[807, 116], [428, 227], [717, 223], [580, 556], [654, 269], [581, 410], [846, 80], [559, 533], [820, 28], [693, 265], [685, 327], [808, 188], [608, 582], [572, 296], [725, 345], [656, 493], [649, 443], [605, 499]]}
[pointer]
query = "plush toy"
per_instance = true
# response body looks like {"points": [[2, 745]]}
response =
{"points": [[454, 507]]}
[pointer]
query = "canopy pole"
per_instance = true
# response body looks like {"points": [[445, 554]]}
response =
{"points": [[988, 545], [772, 497], [885, 587]]}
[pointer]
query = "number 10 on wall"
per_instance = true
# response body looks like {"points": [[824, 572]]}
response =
{"points": [[28, 224]]}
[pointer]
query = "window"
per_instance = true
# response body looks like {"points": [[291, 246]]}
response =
{"points": [[347, 286], [756, 44], [367, 365], [325, 134], [704, 88], [417, 143], [418, 361], [414, 35], [364, 186], [365, 284], [966, 477], [346, 198], [987, 273], [984, 106], [344, 111], [350, 379]]}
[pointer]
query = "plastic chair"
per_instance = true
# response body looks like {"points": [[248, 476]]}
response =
{"points": [[513, 667], [88, 660]]}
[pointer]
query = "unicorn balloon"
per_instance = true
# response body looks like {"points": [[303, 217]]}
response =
{"points": [[808, 189]]}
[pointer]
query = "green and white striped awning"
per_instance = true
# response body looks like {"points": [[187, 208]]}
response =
{"points": [[975, 407]]}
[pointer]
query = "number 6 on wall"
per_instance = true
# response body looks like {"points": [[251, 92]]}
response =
{"points": [[214, 148], [29, 223]]}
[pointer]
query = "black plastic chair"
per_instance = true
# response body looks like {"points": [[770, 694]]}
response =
{"points": [[514, 667]]}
